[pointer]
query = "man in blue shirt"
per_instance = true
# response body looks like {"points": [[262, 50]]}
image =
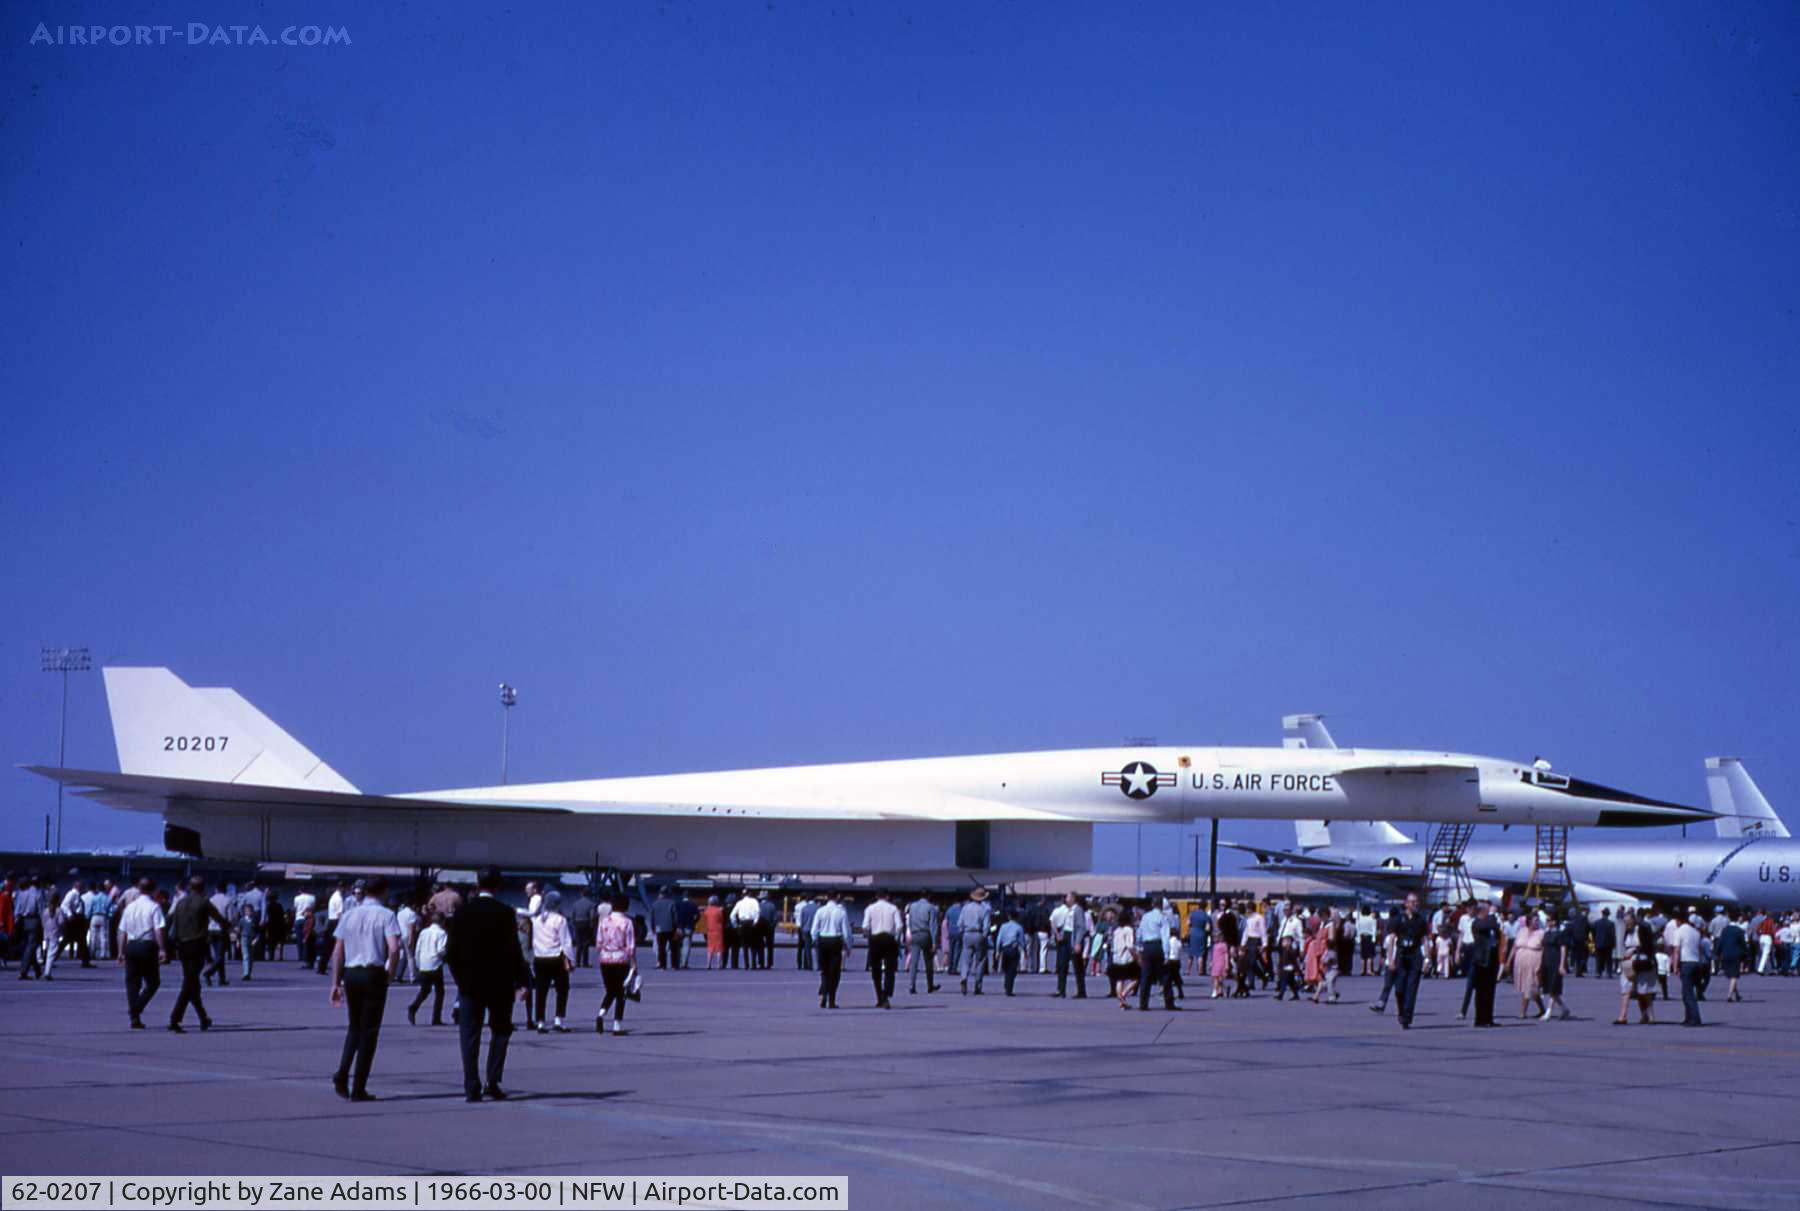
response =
{"points": [[1011, 941], [831, 939], [1151, 965], [953, 932]]}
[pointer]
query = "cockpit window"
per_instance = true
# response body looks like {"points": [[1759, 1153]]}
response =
{"points": [[1544, 777]]}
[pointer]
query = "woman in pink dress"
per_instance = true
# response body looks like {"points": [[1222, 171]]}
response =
{"points": [[1313, 971], [1527, 963], [1220, 967]]}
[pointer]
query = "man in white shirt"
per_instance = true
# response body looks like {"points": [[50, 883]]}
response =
{"points": [[75, 921], [746, 915], [831, 940], [408, 920], [305, 905], [143, 948], [881, 923], [1069, 926], [430, 955], [1692, 964], [1367, 931], [363, 955]]}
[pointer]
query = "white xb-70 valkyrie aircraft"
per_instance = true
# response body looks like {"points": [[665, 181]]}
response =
{"points": [[230, 783]]}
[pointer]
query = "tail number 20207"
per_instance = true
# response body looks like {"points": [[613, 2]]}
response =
{"points": [[194, 744]]}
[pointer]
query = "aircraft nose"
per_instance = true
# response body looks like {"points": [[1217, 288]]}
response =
{"points": [[1623, 809]]}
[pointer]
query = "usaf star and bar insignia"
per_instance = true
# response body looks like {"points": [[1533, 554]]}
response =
{"points": [[1138, 780]]}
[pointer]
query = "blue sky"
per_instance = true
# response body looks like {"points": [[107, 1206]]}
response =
{"points": [[786, 383]]}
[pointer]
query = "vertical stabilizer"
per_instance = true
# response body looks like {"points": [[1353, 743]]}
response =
{"points": [[165, 728], [1366, 832], [1743, 812], [1307, 731]]}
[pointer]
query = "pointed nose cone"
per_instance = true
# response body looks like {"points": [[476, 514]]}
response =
{"points": [[1622, 809]]}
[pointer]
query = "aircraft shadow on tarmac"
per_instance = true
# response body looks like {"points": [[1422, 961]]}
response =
{"points": [[572, 1095]]}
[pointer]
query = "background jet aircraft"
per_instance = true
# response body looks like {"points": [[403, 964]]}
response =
{"points": [[226, 779], [1751, 860]]}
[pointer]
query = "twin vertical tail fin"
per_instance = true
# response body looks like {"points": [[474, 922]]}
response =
{"points": [[1307, 731], [1743, 812], [166, 728]]}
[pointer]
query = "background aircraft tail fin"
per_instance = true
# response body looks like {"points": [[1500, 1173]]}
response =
{"points": [[1743, 812], [1366, 832], [164, 727], [1311, 834], [1305, 731]]}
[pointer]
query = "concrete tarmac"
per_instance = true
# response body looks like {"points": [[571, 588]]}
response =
{"points": [[945, 1101]]}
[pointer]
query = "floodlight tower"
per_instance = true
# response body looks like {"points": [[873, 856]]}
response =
{"points": [[508, 696], [64, 661]]}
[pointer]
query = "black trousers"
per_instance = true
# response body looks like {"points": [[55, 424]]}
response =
{"points": [[1152, 969], [1009, 966], [193, 962], [431, 982], [884, 963], [365, 995], [496, 1011], [75, 931], [1065, 956], [921, 950], [831, 967], [803, 953], [551, 974], [1410, 968], [143, 976], [666, 953], [1603, 960], [1486, 979], [612, 977]]}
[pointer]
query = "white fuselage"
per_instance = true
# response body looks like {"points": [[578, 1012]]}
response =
{"points": [[1108, 785]]}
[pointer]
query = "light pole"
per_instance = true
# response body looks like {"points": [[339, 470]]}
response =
{"points": [[64, 661], [508, 696]]}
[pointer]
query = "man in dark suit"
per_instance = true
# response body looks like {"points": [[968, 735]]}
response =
{"points": [[484, 956], [1606, 940], [1484, 962]]}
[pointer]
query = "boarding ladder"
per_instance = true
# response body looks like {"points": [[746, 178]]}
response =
{"points": [[1446, 879], [1550, 881]]}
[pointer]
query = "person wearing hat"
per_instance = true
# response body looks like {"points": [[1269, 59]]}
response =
{"points": [[976, 916]]}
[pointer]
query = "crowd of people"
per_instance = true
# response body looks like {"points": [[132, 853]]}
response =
{"points": [[365, 938]]}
